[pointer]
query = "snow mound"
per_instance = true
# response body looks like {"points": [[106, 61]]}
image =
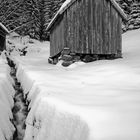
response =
{"points": [[6, 102], [95, 101], [23, 45]]}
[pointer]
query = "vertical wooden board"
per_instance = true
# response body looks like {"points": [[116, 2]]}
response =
{"points": [[80, 26], [67, 35], [106, 27], [112, 31], [95, 27], [57, 39], [74, 26], [61, 29], [89, 23], [111, 21], [98, 26], [119, 33], [64, 29], [116, 32], [54, 41], [56, 45], [65, 14], [76, 11], [63, 37], [101, 9], [72, 29], [51, 43], [109, 30], [84, 17], [78, 23], [69, 28], [68, 44]]}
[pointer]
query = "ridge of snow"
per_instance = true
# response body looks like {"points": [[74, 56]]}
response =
{"points": [[99, 100], [6, 102]]}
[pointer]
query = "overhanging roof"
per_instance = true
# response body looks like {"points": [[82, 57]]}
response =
{"points": [[4, 28], [68, 3]]}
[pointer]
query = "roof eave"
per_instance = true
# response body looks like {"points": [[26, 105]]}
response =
{"points": [[119, 10], [4, 28], [59, 13], [113, 2]]}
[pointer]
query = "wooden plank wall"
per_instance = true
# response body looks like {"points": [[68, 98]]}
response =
{"points": [[57, 38], [88, 26]]}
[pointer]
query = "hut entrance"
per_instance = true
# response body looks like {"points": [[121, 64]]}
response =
{"points": [[3, 32]]}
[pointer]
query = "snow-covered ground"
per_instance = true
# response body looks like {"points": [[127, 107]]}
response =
{"points": [[95, 101], [6, 101]]}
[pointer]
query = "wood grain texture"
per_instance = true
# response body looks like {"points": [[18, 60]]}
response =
{"points": [[88, 27]]}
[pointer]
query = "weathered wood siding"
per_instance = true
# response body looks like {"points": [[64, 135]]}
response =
{"points": [[88, 27]]}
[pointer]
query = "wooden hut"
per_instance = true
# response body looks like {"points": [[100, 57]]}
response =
{"points": [[87, 27], [3, 32]]}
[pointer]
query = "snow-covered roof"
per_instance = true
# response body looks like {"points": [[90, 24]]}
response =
{"points": [[14, 34], [4, 28], [68, 3]]}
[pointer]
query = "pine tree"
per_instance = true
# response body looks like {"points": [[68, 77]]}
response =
{"points": [[29, 17]]}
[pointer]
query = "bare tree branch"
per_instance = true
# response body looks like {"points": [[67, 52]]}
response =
{"points": [[17, 6], [25, 24]]}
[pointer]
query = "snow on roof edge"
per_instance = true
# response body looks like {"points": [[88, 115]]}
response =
{"points": [[6, 30], [119, 9], [68, 3], [62, 9]]}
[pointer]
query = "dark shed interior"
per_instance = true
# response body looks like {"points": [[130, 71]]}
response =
{"points": [[3, 33]]}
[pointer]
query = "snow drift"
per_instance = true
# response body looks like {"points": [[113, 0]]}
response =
{"points": [[6, 101], [95, 101]]}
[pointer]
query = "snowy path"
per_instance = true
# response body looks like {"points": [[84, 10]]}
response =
{"points": [[96, 101], [19, 109]]}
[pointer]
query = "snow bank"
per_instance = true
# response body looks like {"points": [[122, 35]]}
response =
{"points": [[18, 45], [95, 101], [6, 102]]}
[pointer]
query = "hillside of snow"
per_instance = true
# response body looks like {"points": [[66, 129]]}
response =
{"points": [[6, 101], [94, 101]]}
